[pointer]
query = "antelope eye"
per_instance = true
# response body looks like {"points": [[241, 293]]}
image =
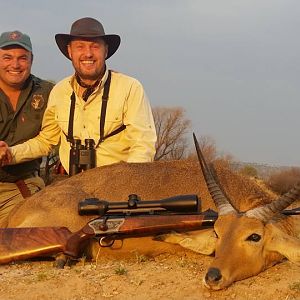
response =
{"points": [[254, 237]]}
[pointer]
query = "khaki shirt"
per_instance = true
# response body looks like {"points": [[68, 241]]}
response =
{"points": [[127, 104]]}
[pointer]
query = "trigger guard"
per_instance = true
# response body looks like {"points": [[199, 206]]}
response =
{"points": [[106, 242]]}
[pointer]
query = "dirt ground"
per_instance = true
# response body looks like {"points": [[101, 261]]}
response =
{"points": [[167, 276]]}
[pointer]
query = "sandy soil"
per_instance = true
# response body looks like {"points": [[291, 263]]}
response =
{"points": [[164, 277]]}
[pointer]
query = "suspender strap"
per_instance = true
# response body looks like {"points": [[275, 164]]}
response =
{"points": [[103, 113], [104, 105], [71, 118], [116, 131]]}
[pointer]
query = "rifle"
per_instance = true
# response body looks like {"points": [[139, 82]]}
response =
{"points": [[115, 221]]}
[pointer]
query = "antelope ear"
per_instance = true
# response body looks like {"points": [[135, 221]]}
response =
{"points": [[286, 245], [202, 241]]}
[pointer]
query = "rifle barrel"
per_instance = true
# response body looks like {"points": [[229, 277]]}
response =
{"points": [[291, 212], [146, 225]]}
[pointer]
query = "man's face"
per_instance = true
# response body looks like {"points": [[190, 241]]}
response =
{"points": [[15, 66], [88, 58]]}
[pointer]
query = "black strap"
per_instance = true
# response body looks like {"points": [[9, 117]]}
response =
{"points": [[103, 113], [104, 106], [102, 117], [71, 118], [116, 131]]}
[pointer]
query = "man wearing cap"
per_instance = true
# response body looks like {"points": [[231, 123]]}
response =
{"points": [[23, 100], [95, 103]]}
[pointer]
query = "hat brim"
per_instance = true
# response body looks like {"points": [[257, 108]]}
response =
{"points": [[112, 40], [14, 43]]}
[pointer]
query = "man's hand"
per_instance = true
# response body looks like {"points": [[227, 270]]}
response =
{"points": [[5, 154]]}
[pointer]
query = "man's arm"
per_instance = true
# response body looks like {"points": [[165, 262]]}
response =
{"points": [[41, 144], [140, 127]]}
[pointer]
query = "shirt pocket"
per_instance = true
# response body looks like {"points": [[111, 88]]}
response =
{"points": [[31, 122], [62, 118], [113, 121]]}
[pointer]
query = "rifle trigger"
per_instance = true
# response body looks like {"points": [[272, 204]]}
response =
{"points": [[106, 242]]}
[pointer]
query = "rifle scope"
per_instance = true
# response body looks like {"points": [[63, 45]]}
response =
{"points": [[178, 204]]}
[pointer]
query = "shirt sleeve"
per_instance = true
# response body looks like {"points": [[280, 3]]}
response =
{"points": [[41, 144], [140, 127]]}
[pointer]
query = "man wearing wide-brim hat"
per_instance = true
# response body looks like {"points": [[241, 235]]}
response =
{"points": [[95, 103]]}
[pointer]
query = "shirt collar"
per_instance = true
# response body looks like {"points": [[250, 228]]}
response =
{"points": [[75, 86]]}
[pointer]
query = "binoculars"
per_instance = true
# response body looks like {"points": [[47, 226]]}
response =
{"points": [[82, 157]]}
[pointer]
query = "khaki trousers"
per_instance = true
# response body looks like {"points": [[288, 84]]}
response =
{"points": [[10, 195]]}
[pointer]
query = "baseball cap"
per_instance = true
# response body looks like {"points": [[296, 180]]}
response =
{"points": [[15, 38]]}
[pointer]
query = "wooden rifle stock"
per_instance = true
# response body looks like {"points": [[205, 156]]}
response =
{"points": [[24, 243]]}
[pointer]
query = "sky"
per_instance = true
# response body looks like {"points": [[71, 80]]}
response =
{"points": [[233, 65]]}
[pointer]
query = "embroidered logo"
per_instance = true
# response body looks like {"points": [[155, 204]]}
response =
{"points": [[15, 35], [37, 102]]}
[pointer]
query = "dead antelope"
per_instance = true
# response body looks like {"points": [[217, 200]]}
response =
{"points": [[247, 242], [247, 238]]}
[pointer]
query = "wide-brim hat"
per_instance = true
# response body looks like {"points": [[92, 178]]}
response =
{"points": [[87, 28]]}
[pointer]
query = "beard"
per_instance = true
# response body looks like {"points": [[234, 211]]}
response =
{"points": [[89, 75]]}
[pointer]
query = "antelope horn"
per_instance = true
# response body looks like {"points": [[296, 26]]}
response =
{"points": [[267, 211], [222, 203]]}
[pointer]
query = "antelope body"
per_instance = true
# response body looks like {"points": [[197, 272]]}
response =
{"points": [[244, 245]]}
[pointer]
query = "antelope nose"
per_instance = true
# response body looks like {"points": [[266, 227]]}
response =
{"points": [[213, 275]]}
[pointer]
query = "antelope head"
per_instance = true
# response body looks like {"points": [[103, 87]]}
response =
{"points": [[248, 242]]}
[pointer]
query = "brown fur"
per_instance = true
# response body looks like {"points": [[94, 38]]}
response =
{"points": [[57, 204]]}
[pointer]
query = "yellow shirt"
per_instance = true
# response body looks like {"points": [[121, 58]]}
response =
{"points": [[127, 104]]}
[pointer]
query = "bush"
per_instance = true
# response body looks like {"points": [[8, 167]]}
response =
{"points": [[248, 171], [282, 181]]}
